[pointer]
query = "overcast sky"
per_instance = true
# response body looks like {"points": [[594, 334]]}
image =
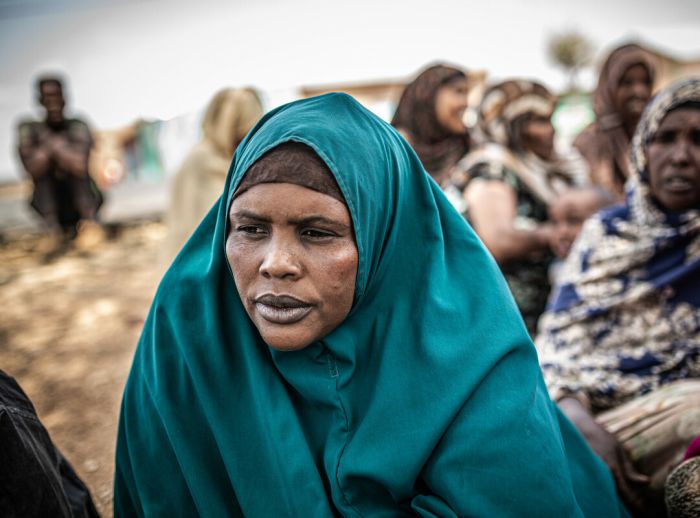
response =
{"points": [[159, 58]]}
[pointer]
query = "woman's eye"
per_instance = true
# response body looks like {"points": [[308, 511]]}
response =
{"points": [[665, 137], [695, 137], [251, 230], [315, 233]]}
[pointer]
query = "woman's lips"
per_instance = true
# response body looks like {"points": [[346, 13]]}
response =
{"points": [[678, 184], [636, 105], [282, 309]]}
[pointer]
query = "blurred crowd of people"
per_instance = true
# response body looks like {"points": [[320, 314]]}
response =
{"points": [[599, 244]]}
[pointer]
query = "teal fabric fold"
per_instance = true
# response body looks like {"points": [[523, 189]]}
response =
{"points": [[426, 400]]}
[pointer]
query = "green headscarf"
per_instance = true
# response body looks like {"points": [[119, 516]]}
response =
{"points": [[427, 399]]}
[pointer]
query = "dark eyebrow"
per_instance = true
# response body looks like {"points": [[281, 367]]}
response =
{"points": [[318, 220], [310, 220], [241, 214]]}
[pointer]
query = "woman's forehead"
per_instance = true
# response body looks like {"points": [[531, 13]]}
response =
{"points": [[681, 117], [287, 199], [292, 162]]}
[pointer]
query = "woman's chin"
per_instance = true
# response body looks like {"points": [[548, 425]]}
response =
{"points": [[285, 342], [287, 347]]}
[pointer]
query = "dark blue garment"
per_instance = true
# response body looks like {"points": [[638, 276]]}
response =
{"points": [[35, 479]]}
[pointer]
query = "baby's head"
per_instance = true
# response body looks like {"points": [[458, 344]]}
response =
{"points": [[568, 212]]}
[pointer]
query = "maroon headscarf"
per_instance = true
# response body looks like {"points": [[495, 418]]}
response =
{"points": [[437, 148], [292, 162]]}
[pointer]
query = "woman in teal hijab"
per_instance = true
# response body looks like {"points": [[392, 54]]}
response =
{"points": [[410, 388]]}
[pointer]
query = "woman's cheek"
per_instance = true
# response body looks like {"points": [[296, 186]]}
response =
{"points": [[241, 249], [343, 269], [241, 255]]}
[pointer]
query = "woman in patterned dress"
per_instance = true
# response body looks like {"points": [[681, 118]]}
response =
{"points": [[620, 342], [513, 179]]}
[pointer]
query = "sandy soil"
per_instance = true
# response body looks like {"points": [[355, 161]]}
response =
{"points": [[68, 328]]}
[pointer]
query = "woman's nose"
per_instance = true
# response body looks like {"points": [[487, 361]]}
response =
{"points": [[680, 153], [641, 89], [550, 130], [281, 261]]}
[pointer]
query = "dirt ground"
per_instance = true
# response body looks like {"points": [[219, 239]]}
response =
{"points": [[68, 329]]}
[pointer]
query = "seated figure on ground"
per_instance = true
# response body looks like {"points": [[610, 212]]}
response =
{"points": [[514, 177], [55, 154], [620, 342]]}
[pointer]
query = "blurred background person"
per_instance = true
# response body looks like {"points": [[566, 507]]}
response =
{"points": [[624, 88], [430, 117], [515, 175], [620, 341], [55, 154], [570, 210], [567, 214], [231, 113]]}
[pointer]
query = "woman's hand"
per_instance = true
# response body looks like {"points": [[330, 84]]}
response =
{"points": [[493, 208], [631, 484]]}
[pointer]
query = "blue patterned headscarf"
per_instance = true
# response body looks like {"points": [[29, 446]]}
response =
{"points": [[625, 315]]}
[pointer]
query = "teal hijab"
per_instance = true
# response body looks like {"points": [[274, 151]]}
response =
{"points": [[427, 399]]}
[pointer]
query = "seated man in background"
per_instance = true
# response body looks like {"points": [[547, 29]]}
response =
{"points": [[55, 154]]}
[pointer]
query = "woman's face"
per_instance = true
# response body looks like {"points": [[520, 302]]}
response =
{"points": [[450, 103], [294, 261], [633, 93], [538, 136], [673, 156]]}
